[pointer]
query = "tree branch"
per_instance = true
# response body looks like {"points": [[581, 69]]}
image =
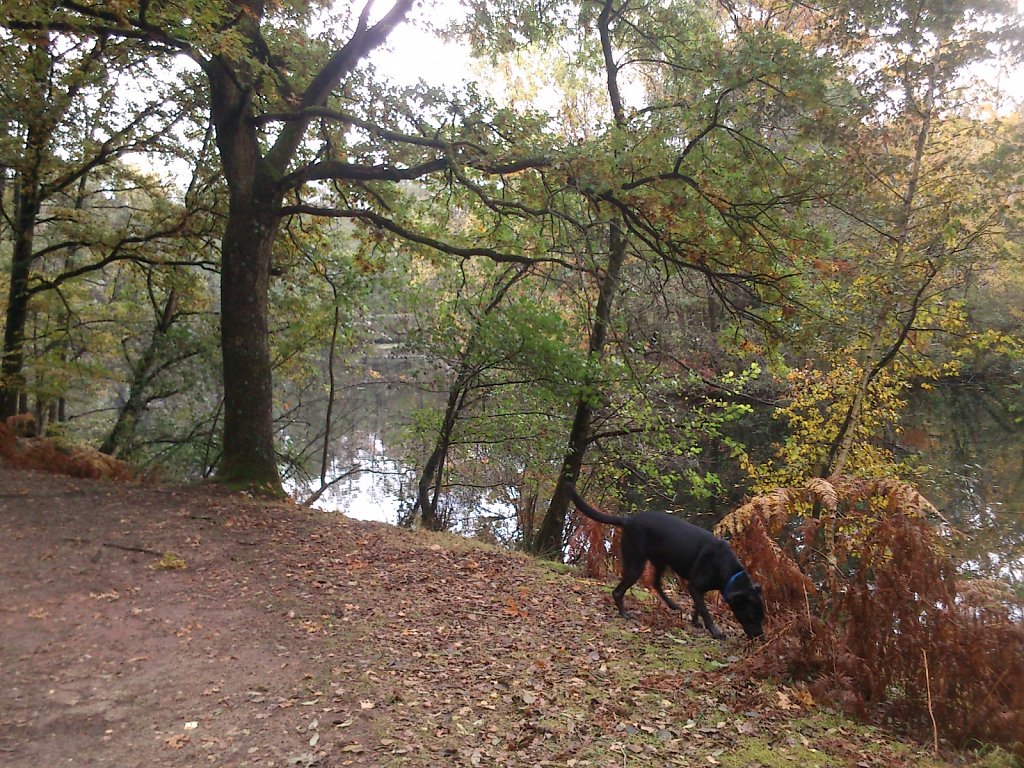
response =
{"points": [[416, 237], [364, 39]]}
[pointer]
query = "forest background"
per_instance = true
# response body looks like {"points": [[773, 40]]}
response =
{"points": [[700, 251], [681, 254]]}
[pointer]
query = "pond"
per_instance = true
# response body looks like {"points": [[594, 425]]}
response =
{"points": [[968, 441], [971, 439]]}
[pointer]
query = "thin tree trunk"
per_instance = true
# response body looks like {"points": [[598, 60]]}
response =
{"points": [[428, 487], [11, 369], [550, 535], [839, 451], [118, 442], [27, 203], [548, 540], [332, 393]]}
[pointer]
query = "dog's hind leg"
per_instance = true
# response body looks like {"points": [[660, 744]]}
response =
{"points": [[659, 571], [632, 569]]}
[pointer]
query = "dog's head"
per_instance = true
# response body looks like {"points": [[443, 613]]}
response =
{"points": [[747, 603]]}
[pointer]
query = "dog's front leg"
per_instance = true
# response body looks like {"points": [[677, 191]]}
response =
{"points": [[700, 608]]}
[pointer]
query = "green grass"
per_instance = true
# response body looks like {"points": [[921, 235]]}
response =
{"points": [[756, 751]]}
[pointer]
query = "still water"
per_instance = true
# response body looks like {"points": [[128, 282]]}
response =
{"points": [[376, 486], [970, 441], [967, 442]]}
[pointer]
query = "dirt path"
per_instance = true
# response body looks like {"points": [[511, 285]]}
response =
{"points": [[112, 655], [297, 638]]}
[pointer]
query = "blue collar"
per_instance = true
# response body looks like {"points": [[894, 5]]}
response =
{"points": [[729, 582]]}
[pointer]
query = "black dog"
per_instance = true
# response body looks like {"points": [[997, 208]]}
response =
{"points": [[704, 560]]}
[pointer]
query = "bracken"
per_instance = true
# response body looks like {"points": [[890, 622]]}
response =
{"points": [[862, 594]]}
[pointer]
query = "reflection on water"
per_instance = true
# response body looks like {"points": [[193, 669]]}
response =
{"points": [[375, 400], [966, 441], [369, 484], [373, 487], [972, 448], [370, 474]]}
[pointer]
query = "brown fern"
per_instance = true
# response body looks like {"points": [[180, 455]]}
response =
{"points": [[857, 612], [46, 455], [588, 543]]}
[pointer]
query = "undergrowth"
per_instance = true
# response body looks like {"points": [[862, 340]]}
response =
{"points": [[868, 608], [47, 454]]}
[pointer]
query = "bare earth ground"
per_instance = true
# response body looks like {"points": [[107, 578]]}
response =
{"points": [[292, 637]]}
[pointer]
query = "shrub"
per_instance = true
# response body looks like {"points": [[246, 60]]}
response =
{"points": [[867, 606], [47, 455]]}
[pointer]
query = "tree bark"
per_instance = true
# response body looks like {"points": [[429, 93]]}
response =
{"points": [[428, 488], [248, 458], [27, 203], [118, 442], [548, 541], [11, 370]]}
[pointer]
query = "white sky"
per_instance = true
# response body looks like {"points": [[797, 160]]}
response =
{"points": [[414, 53]]}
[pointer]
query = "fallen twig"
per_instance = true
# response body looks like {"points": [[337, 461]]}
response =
{"points": [[143, 550]]}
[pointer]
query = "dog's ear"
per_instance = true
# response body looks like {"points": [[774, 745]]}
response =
{"points": [[739, 598]]}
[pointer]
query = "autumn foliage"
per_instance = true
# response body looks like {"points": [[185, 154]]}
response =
{"points": [[867, 607], [588, 545], [48, 455]]}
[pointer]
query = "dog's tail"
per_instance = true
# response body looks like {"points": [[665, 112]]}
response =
{"points": [[591, 511]]}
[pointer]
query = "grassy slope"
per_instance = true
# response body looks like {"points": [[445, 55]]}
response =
{"points": [[482, 657], [327, 641]]}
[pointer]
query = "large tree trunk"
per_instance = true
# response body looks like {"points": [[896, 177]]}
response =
{"points": [[11, 373], [254, 179], [248, 458]]}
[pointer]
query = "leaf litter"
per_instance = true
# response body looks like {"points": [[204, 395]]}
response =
{"points": [[305, 638]]}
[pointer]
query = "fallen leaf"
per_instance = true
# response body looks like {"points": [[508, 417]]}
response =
{"points": [[177, 741]]}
